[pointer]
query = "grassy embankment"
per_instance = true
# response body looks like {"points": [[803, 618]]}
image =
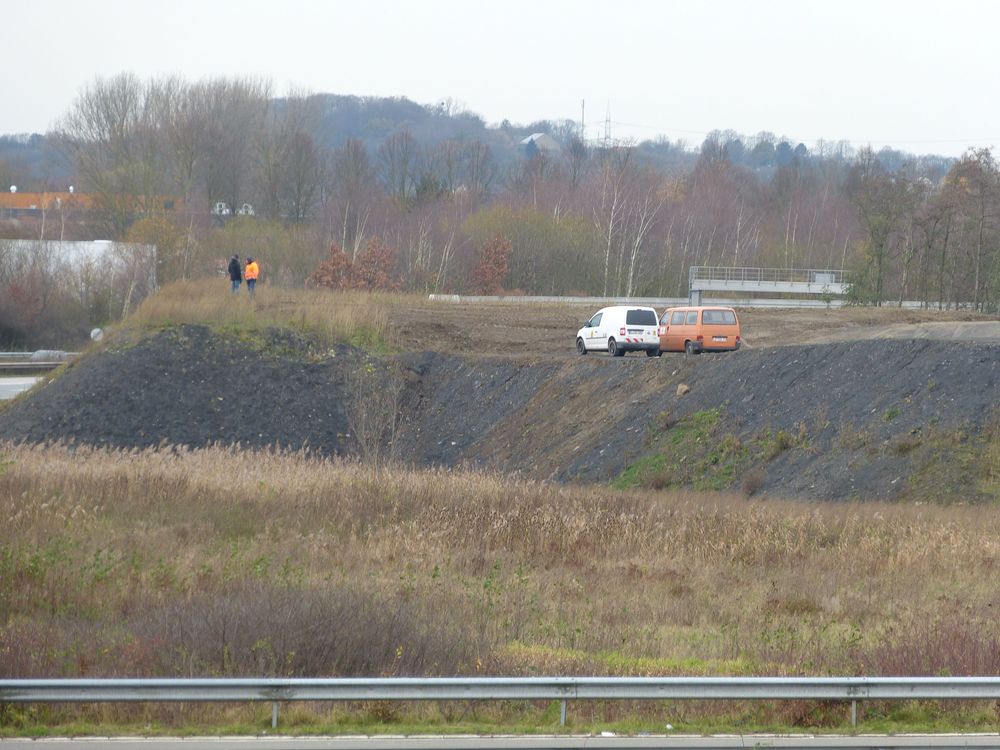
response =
{"points": [[228, 563], [955, 466], [357, 318]]}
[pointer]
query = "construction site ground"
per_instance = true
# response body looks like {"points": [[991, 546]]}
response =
{"points": [[835, 404]]}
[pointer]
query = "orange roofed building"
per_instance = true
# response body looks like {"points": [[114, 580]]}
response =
{"points": [[44, 201], [28, 203]]}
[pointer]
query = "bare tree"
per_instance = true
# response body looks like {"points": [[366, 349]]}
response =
{"points": [[882, 199], [398, 161], [236, 116], [373, 412], [112, 136], [608, 213], [479, 169], [975, 180], [353, 194], [290, 168]]}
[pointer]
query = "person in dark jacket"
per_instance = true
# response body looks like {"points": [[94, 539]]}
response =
{"points": [[235, 273]]}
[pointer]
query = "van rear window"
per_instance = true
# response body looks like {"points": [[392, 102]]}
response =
{"points": [[719, 317], [640, 318]]}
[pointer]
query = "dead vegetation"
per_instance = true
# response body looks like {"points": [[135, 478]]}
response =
{"points": [[226, 562]]}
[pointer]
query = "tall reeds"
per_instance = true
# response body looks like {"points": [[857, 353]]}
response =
{"points": [[224, 561]]}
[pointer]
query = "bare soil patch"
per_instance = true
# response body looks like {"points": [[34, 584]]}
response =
{"points": [[547, 330]]}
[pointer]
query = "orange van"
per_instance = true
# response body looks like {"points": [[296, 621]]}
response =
{"points": [[699, 329]]}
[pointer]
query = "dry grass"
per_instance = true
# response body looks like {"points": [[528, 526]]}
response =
{"points": [[225, 562], [356, 317]]}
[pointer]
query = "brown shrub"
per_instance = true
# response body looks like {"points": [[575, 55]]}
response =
{"points": [[752, 481]]}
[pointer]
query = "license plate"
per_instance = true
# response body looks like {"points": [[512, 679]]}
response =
{"points": [[718, 338]]}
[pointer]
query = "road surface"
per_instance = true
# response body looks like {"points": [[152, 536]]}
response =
{"points": [[10, 387]]}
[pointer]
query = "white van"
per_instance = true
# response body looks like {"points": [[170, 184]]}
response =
{"points": [[620, 329]]}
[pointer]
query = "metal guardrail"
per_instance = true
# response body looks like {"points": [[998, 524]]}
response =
{"points": [[40, 360], [563, 689], [556, 300], [664, 302], [7, 365]]}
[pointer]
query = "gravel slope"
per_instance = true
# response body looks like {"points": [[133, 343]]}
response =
{"points": [[571, 419]]}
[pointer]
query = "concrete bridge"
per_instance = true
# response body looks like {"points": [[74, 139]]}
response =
{"points": [[828, 282]]}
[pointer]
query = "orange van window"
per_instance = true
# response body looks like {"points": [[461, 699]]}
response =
{"points": [[678, 318], [719, 317], [692, 317]]}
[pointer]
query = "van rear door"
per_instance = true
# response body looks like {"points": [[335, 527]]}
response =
{"points": [[640, 326], [720, 329]]}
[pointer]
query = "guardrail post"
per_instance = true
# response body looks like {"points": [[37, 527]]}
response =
{"points": [[562, 713], [274, 715], [854, 714]]}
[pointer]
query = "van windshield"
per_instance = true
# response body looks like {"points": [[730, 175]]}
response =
{"points": [[719, 317], [640, 318]]}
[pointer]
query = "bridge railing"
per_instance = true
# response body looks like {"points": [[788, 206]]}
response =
{"points": [[769, 275], [275, 690]]}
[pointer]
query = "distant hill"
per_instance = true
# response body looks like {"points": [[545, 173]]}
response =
{"points": [[33, 163], [373, 119], [30, 162]]}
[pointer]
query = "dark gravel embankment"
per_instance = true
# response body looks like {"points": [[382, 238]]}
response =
{"points": [[189, 387], [868, 417]]}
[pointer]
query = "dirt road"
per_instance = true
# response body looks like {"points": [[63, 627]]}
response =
{"points": [[548, 330]]}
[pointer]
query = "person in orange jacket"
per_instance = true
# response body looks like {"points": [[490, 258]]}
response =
{"points": [[251, 273]]}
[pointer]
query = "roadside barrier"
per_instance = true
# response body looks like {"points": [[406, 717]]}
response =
{"points": [[41, 360], [563, 689], [663, 302]]}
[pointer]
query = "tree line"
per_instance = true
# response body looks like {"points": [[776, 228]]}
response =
{"points": [[605, 217]]}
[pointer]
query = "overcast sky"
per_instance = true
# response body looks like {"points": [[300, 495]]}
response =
{"points": [[921, 76]]}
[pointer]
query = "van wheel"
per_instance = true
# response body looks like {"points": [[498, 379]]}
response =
{"points": [[581, 348], [613, 349], [653, 352], [689, 348]]}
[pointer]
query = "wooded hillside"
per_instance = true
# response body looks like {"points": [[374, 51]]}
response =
{"points": [[420, 191]]}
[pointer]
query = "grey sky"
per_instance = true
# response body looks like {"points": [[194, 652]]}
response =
{"points": [[921, 76]]}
